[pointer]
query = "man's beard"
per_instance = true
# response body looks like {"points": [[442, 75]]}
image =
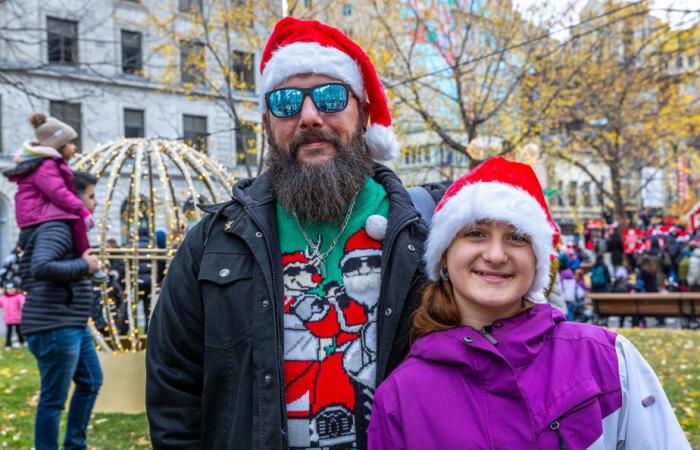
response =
{"points": [[320, 192]]}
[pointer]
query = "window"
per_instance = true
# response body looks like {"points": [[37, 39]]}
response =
{"points": [[68, 113], [192, 62], [134, 123], [347, 10], [62, 41], [246, 145], [307, 3], [691, 61], [571, 194], [243, 68], [195, 131], [560, 194], [679, 62], [586, 194], [187, 5], [131, 52]]}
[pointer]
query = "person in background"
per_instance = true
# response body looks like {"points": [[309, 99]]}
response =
{"points": [[568, 291], [694, 268], [616, 248], [9, 272], [54, 321], [11, 301], [600, 276], [45, 186], [493, 365]]}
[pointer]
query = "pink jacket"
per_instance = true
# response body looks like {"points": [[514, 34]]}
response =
{"points": [[13, 308], [46, 192]]}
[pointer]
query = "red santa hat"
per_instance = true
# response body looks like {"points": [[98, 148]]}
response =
{"points": [[361, 244], [306, 46], [294, 258], [502, 190]]}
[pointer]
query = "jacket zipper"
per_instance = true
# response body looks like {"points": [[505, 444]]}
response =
{"points": [[489, 337], [554, 426], [278, 334]]}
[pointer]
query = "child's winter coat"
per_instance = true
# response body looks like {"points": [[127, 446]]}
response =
{"points": [[46, 190], [12, 304]]}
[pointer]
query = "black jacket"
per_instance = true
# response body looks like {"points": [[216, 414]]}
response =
{"points": [[58, 293], [214, 359]]}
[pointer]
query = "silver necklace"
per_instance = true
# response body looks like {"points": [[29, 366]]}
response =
{"points": [[318, 257]]}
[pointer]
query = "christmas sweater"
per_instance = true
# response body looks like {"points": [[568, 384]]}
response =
{"points": [[330, 320]]}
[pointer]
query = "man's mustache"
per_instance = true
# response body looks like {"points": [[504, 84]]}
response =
{"points": [[310, 136]]}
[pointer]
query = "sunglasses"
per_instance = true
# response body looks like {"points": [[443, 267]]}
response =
{"points": [[353, 264], [327, 97]]}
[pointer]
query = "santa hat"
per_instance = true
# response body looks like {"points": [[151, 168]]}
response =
{"points": [[306, 46], [501, 190], [294, 258], [361, 244]]}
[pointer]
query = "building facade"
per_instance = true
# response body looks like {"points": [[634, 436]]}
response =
{"points": [[102, 67]]}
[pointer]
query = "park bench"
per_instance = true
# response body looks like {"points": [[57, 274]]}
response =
{"points": [[683, 305]]}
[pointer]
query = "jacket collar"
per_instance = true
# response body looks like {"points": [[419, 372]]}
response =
{"points": [[520, 339]]}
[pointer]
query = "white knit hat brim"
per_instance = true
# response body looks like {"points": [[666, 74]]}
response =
{"points": [[493, 201]]}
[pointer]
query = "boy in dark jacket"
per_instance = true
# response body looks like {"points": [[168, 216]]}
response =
{"points": [[54, 320]]}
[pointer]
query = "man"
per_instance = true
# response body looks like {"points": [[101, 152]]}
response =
{"points": [[285, 308], [54, 321]]}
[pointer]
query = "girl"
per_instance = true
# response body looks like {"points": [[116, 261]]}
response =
{"points": [[495, 366], [46, 190], [12, 302]]}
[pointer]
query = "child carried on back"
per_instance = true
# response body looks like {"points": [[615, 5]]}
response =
{"points": [[46, 190]]}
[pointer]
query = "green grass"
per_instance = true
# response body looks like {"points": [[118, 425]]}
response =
{"points": [[674, 355], [19, 384]]}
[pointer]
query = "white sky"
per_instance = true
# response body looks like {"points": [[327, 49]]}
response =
{"points": [[677, 19]]}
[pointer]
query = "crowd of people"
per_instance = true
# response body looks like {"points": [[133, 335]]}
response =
{"points": [[327, 306], [655, 258]]}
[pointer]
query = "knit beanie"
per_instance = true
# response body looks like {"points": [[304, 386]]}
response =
{"points": [[51, 132]]}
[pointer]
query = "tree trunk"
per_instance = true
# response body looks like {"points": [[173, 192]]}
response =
{"points": [[618, 198]]}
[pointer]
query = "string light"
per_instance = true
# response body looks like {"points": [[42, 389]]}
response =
{"points": [[145, 164]]}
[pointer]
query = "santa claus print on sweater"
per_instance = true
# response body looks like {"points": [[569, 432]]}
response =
{"points": [[330, 333], [330, 341]]}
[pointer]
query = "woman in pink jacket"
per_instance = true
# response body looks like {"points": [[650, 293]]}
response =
{"points": [[46, 190], [12, 302], [496, 367]]}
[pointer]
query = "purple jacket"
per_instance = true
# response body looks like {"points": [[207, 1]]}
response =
{"points": [[535, 382], [45, 193]]}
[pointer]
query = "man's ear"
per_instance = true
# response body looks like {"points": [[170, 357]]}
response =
{"points": [[364, 114], [266, 123]]}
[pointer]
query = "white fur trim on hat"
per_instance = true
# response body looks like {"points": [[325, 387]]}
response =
{"points": [[310, 57], [382, 142], [495, 201]]}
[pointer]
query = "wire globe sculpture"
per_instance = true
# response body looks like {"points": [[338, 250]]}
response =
{"points": [[149, 189]]}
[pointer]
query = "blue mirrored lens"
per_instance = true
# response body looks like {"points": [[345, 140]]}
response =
{"points": [[285, 102], [330, 97]]}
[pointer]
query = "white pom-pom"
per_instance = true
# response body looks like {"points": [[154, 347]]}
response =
{"points": [[382, 143], [376, 227]]}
